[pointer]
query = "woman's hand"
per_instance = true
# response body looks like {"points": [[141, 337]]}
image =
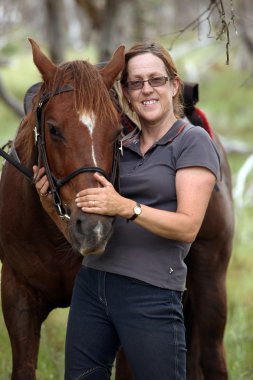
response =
{"points": [[104, 200], [41, 181], [42, 187]]}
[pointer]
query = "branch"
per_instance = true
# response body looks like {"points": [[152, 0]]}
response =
{"points": [[205, 16], [10, 101]]}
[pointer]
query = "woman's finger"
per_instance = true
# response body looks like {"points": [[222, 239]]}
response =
{"points": [[41, 181], [38, 172], [102, 180]]}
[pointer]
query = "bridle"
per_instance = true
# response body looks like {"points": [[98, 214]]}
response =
{"points": [[54, 183]]}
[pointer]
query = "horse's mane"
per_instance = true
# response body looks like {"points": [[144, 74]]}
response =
{"points": [[90, 94], [90, 90]]}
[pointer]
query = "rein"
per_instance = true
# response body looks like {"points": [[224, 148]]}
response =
{"points": [[55, 183], [15, 162]]}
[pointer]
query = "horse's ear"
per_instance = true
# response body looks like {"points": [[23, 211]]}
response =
{"points": [[45, 66], [114, 66]]}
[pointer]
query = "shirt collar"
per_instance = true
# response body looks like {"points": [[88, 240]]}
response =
{"points": [[132, 139], [172, 133]]}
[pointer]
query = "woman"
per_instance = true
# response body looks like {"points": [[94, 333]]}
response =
{"points": [[131, 295]]}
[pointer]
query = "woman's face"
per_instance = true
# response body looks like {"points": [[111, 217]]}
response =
{"points": [[153, 105]]}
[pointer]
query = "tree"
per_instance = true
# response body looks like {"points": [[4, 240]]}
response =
{"points": [[55, 20], [103, 16], [216, 15], [246, 9], [113, 22]]}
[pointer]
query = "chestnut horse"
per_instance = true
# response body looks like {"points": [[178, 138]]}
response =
{"points": [[76, 126]]}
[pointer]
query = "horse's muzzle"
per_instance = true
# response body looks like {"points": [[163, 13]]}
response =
{"points": [[89, 233]]}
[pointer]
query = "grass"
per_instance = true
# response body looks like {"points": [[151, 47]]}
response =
{"points": [[239, 335], [51, 354], [228, 105]]}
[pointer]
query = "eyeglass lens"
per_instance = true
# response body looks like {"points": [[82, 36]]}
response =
{"points": [[153, 82]]}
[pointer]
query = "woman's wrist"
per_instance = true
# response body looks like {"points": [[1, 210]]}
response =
{"points": [[127, 208]]}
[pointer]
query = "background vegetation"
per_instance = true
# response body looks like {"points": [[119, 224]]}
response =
{"points": [[226, 97]]}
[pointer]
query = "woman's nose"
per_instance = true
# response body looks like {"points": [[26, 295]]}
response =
{"points": [[147, 87]]}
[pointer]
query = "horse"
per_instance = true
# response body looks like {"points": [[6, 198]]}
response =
{"points": [[205, 302], [39, 249], [71, 130]]}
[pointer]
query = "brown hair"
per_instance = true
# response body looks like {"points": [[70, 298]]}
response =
{"points": [[160, 52]]}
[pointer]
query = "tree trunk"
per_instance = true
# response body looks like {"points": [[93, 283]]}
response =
{"points": [[107, 29], [245, 10], [56, 24], [103, 20]]}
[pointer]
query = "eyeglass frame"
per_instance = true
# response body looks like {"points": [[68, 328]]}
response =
{"points": [[165, 78]]}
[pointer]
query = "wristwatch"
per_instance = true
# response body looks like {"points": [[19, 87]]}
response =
{"points": [[137, 211]]}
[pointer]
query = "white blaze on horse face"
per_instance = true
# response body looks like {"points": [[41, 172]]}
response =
{"points": [[99, 230], [90, 121]]}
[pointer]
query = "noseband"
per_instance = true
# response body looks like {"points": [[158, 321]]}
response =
{"points": [[55, 183]]}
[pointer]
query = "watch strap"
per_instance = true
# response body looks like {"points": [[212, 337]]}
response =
{"points": [[134, 216]]}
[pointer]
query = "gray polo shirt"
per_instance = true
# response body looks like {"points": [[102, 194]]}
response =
{"points": [[150, 179]]}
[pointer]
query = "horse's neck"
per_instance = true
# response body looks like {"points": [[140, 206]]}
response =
{"points": [[24, 144]]}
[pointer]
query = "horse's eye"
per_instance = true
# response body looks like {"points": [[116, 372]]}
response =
{"points": [[55, 132]]}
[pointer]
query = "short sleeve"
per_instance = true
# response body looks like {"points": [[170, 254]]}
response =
{"points": [[196, 148]]}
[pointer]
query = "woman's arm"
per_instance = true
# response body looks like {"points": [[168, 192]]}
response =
{"points": [[194, 186]]}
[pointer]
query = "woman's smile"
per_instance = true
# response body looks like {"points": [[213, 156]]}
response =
{"points": [[149, 102]]}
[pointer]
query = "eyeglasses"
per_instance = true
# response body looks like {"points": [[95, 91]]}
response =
{"points": [[153, 82]]}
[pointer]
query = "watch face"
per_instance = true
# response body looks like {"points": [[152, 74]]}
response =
{"points": [[137, 210]]}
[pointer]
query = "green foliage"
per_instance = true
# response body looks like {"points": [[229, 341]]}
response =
{"points": [[239, 336], [10, 48], [227, 101], [17, 78], [230, 106]]}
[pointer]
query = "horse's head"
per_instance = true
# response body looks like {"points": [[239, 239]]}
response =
{"points": [[79, 126]]}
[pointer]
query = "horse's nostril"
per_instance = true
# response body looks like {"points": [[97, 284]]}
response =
{"points": [[79, 226]]}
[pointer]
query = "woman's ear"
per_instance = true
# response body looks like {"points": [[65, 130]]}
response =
{"points": [[175, 86]]}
